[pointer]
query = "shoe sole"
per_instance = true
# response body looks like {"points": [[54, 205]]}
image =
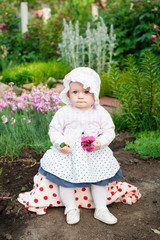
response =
{"points": [[105, 221], [71, 223]]}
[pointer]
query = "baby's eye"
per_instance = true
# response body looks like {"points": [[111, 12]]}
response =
{"points": [[86, 92], [75, 92]]}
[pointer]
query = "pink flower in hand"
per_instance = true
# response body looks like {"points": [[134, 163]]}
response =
{"points": [[87, 143]]}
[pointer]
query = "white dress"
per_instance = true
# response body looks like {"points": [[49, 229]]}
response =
{"points": [[81, 166]]}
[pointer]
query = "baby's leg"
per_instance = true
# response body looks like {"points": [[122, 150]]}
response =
{"points": [[67, 196], [99, 194], [71, 209]]}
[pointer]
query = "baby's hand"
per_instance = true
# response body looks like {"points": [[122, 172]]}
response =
{"points": [[96, 145], [66, 149]]}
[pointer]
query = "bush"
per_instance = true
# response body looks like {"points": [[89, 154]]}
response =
{"points": [[36, 72], [9, 33], [138, 92], [106, 85], [146, 144], [133, 24], [41, 40], [94, 50], [119, 122]]}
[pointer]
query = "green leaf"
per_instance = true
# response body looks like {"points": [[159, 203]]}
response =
{"points": [[63, 144], [23, 189], [155, 231]]}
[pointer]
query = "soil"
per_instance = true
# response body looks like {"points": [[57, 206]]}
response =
{"points": [[134, 222]]}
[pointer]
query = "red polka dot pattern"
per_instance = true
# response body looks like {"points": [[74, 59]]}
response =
{"points": [[85, 198], [46, 194]]}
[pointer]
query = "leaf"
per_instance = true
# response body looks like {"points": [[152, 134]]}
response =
{"points": [[23, 189], [63, 144], [155, 231]]}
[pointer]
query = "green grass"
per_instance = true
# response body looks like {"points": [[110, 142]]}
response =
{"points": [[14, 138]]}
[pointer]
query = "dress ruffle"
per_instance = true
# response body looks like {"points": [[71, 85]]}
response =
{"points": [[67, 184]]}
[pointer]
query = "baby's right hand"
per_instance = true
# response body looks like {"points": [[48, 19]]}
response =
{"points": [[66, 149]]}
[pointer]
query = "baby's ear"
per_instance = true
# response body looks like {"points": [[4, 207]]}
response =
{"points": [[68, 94]]}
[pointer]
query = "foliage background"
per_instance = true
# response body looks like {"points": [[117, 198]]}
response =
{"points": [[34, 56], [132, 20]]}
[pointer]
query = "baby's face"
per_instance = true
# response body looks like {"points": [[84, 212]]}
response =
{"points": [[80, 97]]}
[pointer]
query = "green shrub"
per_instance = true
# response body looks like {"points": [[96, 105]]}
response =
{"points": [[9, 33], [133, 24], [138, 92], [106, 85], [120, 122], [146, 144], [95, 49], [36, 72], [41, 40]]}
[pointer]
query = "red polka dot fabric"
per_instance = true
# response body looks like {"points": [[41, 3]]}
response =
{"points": [[46, 194]]}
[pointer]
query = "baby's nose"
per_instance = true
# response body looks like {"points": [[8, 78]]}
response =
{"points": [[80, 95]]}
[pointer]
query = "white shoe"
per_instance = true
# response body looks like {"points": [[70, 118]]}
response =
{"points": [[104, 215], [72, 214]]}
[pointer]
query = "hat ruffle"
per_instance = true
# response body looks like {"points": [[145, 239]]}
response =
{"points": [[86, 76]]}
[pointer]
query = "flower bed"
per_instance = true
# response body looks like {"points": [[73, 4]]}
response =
{"points": [[24, 120]]}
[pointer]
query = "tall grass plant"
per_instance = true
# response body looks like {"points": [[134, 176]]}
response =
{"points": [[138, 90]]}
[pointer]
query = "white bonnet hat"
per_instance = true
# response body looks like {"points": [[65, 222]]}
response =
{"points": [[87, 76]]}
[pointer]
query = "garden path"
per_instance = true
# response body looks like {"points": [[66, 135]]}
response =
{"points": [[110, 104]]}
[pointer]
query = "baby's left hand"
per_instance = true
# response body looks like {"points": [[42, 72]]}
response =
{"points": [[96, 145]]}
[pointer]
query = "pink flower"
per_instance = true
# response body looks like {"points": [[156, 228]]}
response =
{"points": [[11, 83], [26, 35], [29, 121], [2, 25], [56, 53], [87, 143], [4, 119], [155, 28], [153, 38], [20, 105], [52, 43]]}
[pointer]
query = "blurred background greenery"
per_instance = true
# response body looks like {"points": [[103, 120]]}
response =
{"points": [[133, 75]]}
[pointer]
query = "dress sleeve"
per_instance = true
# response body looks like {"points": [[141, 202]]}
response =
{"points": [[56, 128], [107, 128]]}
